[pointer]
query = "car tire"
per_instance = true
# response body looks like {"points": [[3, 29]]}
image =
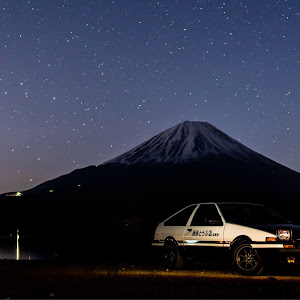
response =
{"points": [[246, 260], [172, 259]]}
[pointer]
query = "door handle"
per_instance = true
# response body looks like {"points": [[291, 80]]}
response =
{"points": [[190, 229]]}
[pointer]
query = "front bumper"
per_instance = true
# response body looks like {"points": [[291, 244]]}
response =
{"points": [[279, 256]]}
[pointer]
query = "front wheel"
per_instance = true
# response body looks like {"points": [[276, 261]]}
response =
{"points": [[246, 260], [172, 259]]}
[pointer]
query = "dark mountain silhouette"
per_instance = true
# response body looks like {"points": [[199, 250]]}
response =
{"points": [[188, 163], [190, 159]]}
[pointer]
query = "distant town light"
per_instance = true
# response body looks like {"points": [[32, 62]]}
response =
{"points": [[17, 194]]}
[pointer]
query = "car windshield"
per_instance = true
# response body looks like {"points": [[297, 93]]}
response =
{"points": [[250, 214]]}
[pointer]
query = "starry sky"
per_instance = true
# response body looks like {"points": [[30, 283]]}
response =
{"points": [[83, 81]]}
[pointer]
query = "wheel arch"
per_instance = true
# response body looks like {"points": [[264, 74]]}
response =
{"points": [[239, 239], [170, 239]]}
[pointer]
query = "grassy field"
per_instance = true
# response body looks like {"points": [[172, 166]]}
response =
{"points": [[116, 280]]}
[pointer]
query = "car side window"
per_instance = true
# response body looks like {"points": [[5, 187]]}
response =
{"points": [[207, 215], [181, 218]]}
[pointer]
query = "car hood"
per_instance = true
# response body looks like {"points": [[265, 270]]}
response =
{"points": [[272, 228]]}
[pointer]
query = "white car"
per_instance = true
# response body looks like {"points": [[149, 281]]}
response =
{"points": [[250, 235]]}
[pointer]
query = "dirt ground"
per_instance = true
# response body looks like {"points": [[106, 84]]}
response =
{"points": [[116, 280]]}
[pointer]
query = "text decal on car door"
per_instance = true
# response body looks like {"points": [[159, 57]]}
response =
{"points": [[204, 233]]}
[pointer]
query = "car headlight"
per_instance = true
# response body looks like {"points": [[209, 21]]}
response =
{"points": [[284, 234]]}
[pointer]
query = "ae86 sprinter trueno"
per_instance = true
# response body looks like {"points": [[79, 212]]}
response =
{"points": [[250, 235]]}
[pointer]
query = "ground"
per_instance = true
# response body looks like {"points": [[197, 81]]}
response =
{"points": [[114, 279]]}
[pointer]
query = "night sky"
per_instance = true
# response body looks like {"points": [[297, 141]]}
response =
{"points": [[83, 81]]}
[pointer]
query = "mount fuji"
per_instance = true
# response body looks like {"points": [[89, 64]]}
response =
{"points": [[190, 162], [186, 143]]}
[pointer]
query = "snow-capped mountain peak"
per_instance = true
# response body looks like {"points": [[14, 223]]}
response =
{"points": [[186, 142]]}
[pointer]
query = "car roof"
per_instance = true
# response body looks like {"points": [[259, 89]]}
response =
{"points": [[231, 203], [239, 203]]}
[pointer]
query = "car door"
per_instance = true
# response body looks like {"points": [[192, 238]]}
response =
{"points": [[203, 237], [175, 226]]}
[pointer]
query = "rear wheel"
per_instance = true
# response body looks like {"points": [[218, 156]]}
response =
{"points": [[172, 259], [246, 260]]}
